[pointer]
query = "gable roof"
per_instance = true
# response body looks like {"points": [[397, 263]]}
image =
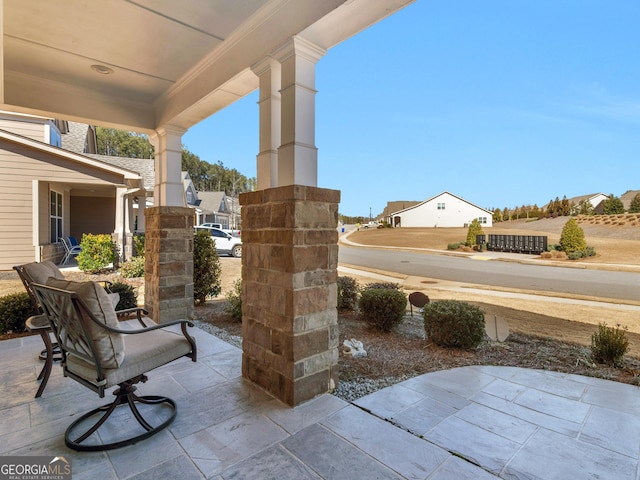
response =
{"points": [[75, 138], [439, 195], [212, 201], [145, 167], [627, 196], [75, 157]]}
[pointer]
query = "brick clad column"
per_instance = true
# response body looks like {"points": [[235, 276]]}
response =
{"points": [[168, 267], [289, 274]]}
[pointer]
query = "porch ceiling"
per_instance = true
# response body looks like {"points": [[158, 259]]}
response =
{"points": [[168, 62]]}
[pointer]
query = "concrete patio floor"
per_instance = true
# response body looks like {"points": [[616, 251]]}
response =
{"points": [[466, 423]]}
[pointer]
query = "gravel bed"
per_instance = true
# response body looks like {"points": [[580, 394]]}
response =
{"points": [[234, 340], [348, 390]]}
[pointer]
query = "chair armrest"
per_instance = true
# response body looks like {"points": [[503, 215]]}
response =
{"points": [[139, 311], [183, 326]]}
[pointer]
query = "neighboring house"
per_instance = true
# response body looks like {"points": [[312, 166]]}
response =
{"points": [[217, 207], [626, 198], [55, 192], [396, 206], [595, 199], [443, 210]]}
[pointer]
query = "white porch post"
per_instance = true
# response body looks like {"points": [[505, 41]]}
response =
{"points": [[268, 71], [298, 155], [120, 227], [168, 268], [142, 204], [168, 190]]}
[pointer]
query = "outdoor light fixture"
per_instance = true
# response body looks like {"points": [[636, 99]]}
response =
{"points": [[101, 69]]}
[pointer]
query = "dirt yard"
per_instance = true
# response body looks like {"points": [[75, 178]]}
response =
{"points": [[615, 245]]}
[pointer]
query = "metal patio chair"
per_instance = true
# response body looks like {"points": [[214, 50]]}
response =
{"points": [[70, 249], [100, 355], [40, 272]]}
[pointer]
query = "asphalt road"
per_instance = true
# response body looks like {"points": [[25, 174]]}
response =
{"points": [[593, 283]]}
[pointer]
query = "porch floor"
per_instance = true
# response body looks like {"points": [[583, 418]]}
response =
{"points": [[466, 423]]}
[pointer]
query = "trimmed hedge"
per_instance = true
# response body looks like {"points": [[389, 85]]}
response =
{"points": [[14, 311], [454, 324], [383, 308]]}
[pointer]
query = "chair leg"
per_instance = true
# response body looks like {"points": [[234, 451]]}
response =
{"points": [[125, 396]]}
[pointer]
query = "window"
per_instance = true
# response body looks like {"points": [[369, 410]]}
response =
{"points": [[55, 138], [441, 206], [55, 214], [482, 219]]}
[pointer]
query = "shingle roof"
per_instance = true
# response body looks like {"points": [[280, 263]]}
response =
{"points": [[75, 139], [211, 201], [143, 166]]}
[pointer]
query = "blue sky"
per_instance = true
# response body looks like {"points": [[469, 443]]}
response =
{"points": [[501, 102]]}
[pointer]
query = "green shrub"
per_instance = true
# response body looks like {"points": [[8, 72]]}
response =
{"points": [[475, 228], [454, 324], [348, 290], [382, 308], [609, 345], [128, 295], [138, 245], [98, 251], [453, 246], [132, 268], [574, 255], [234, 299], [14, 311], [206, 268], [578, 254], [572, 237]]}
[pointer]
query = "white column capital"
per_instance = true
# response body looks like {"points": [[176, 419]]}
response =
{"points": [[168, 189], [300, 47]]}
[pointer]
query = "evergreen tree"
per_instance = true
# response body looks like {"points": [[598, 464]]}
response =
{"points": [[572, 237], [634, 207], [119, 143], [474, 229], [612, 206]]}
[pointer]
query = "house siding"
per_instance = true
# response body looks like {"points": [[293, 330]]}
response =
{"points": [[34, 131], [457, 212], [19, 167]]}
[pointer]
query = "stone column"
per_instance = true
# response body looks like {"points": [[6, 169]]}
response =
{"points": [[268, 71], [168, 234], [289, 274], [297, 154], [168, 267]]}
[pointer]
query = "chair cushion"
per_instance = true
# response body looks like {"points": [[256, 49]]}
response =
{"points": [[109, 346], [145, 351], [40, 272]]}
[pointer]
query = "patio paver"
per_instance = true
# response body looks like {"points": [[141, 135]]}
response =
{"points": [[467, 423]]}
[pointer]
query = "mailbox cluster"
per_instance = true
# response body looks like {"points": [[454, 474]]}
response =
{"points": [[514, 243]]}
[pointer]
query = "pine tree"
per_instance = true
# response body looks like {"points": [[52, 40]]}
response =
{"points": [[634, 207]]}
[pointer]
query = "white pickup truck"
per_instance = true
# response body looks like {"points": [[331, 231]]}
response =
{"points": [[235, 233]]}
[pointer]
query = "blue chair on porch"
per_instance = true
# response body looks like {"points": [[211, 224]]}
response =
{"points": [[71, 247]]}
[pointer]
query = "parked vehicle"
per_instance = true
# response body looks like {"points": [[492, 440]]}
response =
{"points": [[226, 244], [235, 233]]}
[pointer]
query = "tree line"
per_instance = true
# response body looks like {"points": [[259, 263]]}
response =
{"points": [[560, 208], [206, 177]]}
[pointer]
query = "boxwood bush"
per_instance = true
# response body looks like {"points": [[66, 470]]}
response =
{"points": [[348, 290], [454, 324], [128, 295], [383, 308], [14, 311]]}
